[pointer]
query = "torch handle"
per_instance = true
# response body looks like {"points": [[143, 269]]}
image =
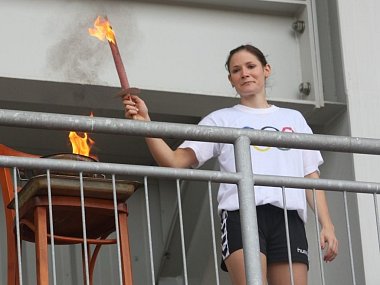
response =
{"points": [[119, 66]]}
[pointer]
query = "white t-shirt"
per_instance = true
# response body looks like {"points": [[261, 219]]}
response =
{"points": [[265, 160]]}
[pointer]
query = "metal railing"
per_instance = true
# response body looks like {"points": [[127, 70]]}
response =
{"points": [[244, 178]]}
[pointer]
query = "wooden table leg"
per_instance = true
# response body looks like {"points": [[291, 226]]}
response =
{"points": [[125, 250], [41, 246]]}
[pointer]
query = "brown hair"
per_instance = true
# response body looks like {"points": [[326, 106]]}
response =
{"points": [[250, 48]]}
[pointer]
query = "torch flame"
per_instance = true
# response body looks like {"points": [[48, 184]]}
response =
{"points": [[102, 30]]}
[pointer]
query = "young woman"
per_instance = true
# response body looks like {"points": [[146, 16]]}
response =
{"points": [[248, 71]]}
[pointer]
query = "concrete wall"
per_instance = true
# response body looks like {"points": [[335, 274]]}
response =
{"points": [[164, 47], [360, 45]]}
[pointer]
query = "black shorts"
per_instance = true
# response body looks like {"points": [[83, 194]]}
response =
{"points": [[272, 234]]}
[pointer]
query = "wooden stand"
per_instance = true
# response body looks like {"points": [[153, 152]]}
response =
{"points": [[67, 217]]}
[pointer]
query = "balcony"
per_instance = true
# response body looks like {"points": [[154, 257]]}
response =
{"points": [[176, 241], [53, 69]]}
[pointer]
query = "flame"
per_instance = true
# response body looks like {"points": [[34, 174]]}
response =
{"points": [[102, 30], [81, 144]]}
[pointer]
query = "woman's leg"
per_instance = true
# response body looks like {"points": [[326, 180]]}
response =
{"points": [[236, 270], [277, 250], [278, 274]]}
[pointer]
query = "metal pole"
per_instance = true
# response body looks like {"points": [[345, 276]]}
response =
{"points": [[179, 199], [116, 214], [18, 234], [320, 253], [149, 229], [52, 121], [287, 236], [85, 245], [51, 228], [349, 238], [377, 218], [248, 212], [188, 174], [213, 233]]}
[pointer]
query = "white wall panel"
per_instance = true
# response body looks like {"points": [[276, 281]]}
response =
{"points": [[360, 45], [171, 48]]}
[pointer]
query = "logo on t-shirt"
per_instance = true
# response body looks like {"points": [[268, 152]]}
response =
{"points": [[273, 129]]}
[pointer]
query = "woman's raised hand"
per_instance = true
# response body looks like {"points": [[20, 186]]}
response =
{"points": [[134, 107]]}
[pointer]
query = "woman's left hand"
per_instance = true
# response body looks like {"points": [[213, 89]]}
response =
{"points": [[329, 243]]}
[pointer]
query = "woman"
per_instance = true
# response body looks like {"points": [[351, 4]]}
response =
{"points": [[248, 71]]}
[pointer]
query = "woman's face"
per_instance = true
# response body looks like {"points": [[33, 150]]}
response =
{"points": [[247, 74]]}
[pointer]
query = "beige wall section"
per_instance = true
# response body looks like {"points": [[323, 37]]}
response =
{"points": [[360, 23], [164, 47]]}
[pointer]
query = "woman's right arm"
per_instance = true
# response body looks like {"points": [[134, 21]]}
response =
{"points": [[136, 109]]}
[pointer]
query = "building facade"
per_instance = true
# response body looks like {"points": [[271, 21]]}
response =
{"points": [[324, 59]]}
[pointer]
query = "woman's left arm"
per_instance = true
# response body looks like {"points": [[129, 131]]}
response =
{"points": [[327, 236]]}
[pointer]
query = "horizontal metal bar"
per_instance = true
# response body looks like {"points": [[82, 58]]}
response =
{"points": [[188, 174], [118, 169], [320, 184], [186, 131]]}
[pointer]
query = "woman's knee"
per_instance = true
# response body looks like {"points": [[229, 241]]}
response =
{"points": [[236, 268]]}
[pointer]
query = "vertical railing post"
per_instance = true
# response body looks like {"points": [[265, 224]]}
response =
{"points": [[18, 234], [248, 212]]}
